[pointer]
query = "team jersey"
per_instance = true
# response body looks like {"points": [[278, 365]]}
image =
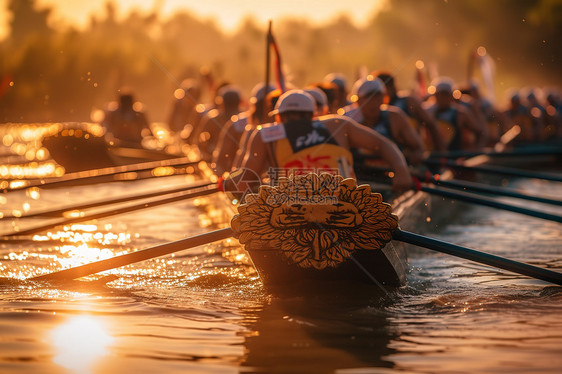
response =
{"points": [[402, 103], [382, 126], [301, 147]]}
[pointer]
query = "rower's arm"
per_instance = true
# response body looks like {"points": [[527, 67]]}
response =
{"points": [[468, 121], [425, 119], [225, 151], [413, 145], [256, 157], [242, 147], [360, 136]]}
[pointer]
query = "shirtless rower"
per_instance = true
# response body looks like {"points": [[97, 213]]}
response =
{"points": [[298, 144]]}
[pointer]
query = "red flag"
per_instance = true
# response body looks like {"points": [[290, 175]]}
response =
{"points": [[278, 71]]}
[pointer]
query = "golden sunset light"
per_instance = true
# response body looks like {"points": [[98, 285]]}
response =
{"points": [[280, 186], [224, 13]]}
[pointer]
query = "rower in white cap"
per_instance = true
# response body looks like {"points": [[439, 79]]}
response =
{"points": [[389, 121], [297, 144], [455, 122], [235, 133]]}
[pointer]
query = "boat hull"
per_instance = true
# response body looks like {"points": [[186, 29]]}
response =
{"points": [[76, 149], [386, 267]]}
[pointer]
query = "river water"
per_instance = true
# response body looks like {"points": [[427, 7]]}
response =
{"points": [[204, 310]]}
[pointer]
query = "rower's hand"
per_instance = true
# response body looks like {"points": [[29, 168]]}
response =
{"points": [[402, 182], [240, 183]]}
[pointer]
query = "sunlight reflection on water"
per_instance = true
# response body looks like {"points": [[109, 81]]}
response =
{"points": [[80, 342]]}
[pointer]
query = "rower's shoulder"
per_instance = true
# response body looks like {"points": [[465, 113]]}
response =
{"points": [[238, 122], [394, 113], [211, 114], [335, 120], [429, 107], [463, 108], [270, 132], [391, 109], [412, 101]]}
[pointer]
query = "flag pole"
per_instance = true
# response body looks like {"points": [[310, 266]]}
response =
{"points": [[267, 63]]}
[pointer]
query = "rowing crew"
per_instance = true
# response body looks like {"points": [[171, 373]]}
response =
{"points": [[299, 135]]}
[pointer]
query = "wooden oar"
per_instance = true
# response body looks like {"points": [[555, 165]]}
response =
{"points": [[495, 190], [130, 258], [480, 257], [335, 210], [523, 152], [89, 175], [149, 204], [495, 170], [481, 200], [61, 211], [473, 198], [405, 236]]}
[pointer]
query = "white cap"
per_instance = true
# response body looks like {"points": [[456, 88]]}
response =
{"points": [[368, 86], [336, 78], [443, 84], [258, 91], [294, 101], [318, 95]]}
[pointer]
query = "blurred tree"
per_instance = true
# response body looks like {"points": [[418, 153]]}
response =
{"points": [[60, 74], [27, 20]]}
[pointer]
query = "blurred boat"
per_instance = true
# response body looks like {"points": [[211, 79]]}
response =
{"points": [[83, 146]]}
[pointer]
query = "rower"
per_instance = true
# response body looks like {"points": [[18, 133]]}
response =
{"points": [[553, 116], [538, 113], [269, 103], [389, 121], [126, 123], [297, 144], [412, 107], [230, 137], [228, 102], [184, 106], [453, 119], [495, 121], [340, 82], [331, 91], [520, 115], [320, 100]]}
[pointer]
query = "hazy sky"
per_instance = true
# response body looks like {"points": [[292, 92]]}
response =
{"points": [[226, 13]]}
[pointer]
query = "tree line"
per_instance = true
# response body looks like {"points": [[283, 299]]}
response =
{"points": [[51, 73]]}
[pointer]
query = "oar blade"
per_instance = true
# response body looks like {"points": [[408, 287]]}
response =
{"points": [[130, 258], [480, 257]]}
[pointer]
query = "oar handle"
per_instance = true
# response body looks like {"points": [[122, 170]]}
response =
{"points": [[104, 172], [481, 200], [495, 190], [93, 204], [130, 258], [189, 194], [496, 170], [477, 256]]}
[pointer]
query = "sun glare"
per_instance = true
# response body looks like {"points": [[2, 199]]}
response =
{"points": [[79, 343], [227, 14]]}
